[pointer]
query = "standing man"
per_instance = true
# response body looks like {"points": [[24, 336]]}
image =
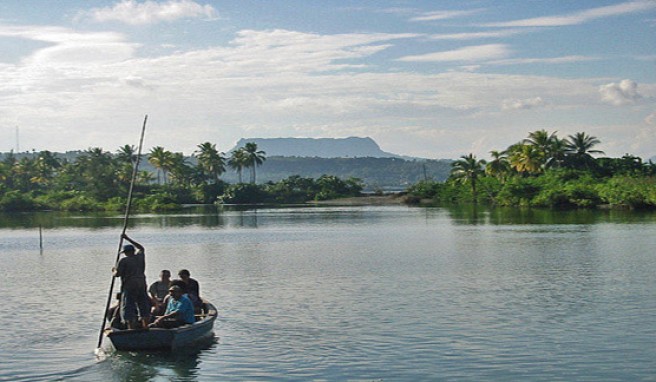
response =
{"points": [[131, 269]]}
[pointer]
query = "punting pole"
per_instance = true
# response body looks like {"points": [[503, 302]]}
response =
{"points": [[125, 227]]}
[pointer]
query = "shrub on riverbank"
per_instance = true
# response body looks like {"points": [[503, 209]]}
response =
{"points": [[294, 189], [545, 171]]}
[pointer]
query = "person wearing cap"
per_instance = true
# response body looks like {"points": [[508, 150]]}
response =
{"points": [[179, 310], [135, 304]]}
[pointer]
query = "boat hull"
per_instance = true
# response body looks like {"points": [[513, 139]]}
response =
{"points": [[164, 339]]}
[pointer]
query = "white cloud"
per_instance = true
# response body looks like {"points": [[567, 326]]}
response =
{"points": [[468, 68], [651, 119], [469, 54], [278, 83], [69, 48], [624, 92], [521, 104], [135, 13], [477, 35], [581, 17], [548, 60], [444, 15]]}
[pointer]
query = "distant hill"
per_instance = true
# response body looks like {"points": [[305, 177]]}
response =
{"points": [[376, 173], [310, 158], [352, 147]]}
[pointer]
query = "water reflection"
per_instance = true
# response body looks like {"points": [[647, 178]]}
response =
{"points": [[203, 216], [206, 216], [350, 293], [180, 365], [476, 215]]}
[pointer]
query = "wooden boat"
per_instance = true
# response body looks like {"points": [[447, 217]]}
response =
{"points": [[165, 339]]}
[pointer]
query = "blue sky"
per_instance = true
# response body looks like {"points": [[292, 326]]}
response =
{"points": [[434, 79]]}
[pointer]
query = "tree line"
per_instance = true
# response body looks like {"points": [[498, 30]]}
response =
{"points": [[99, 180], [544, 170]]}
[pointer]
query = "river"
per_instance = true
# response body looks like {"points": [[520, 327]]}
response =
{"points": [[387, 293]]}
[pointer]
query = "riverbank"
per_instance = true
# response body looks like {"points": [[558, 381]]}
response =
{"points": [[369, 200]]}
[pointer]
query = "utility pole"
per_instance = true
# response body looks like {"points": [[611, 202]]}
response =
{"points": [[17, 145]]}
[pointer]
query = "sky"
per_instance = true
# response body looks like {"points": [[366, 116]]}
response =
{"points": [[430, 79]]}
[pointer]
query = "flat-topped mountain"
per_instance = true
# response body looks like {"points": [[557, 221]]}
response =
{"points": [[352, 147]]}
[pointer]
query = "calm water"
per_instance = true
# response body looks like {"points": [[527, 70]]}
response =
{"points": [[357, 293]]}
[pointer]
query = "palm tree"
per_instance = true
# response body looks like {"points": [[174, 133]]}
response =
{"points": [[254, 158], [96, 170], [499, 165], [468, 169], [127, 158], [579, 148], [179, 170], [526, 159], [210, 161], [145, 177], [543, 141], [161, 160], [127, 154], [45, 166], [24, 174], [557, 153], [237, 162]]}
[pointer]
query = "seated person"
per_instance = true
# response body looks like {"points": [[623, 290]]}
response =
{"points": [[179, 310], [165, 302], [192, 288], [158, 291]]}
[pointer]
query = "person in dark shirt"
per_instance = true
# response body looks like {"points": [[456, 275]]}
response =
{"points": [[192, 288], [135, 304]]}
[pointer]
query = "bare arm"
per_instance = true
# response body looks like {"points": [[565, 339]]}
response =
{"points": [[137, 245]]}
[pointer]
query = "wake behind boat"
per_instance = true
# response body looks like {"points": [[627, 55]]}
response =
{"points": [[165, 339]]}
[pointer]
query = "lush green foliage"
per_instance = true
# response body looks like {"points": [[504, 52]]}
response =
{"points": [[98, 180], [545, 171], [294, 189]]}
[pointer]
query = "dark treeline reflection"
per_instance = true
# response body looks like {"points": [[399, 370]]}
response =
{"points": [[210, 216], [472, 214], [206, 216]]}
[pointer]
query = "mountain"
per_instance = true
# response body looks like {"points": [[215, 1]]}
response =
{"points": [[352, 147], [393, 174]]}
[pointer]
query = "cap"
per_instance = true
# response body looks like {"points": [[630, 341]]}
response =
{"points": [[175, 288], [128, 248]]}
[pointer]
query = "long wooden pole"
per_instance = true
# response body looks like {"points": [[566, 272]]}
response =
{"points": [[135, 169]]}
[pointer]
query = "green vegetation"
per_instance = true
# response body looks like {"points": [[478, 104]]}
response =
{"points": [[546, 171], [540, 171], [98, 180], [394, 174], [294, 189]]}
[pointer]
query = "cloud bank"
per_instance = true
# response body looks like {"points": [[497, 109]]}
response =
{"points": [[150, 12], [466, 54], [622, 93], [581, 17]]}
